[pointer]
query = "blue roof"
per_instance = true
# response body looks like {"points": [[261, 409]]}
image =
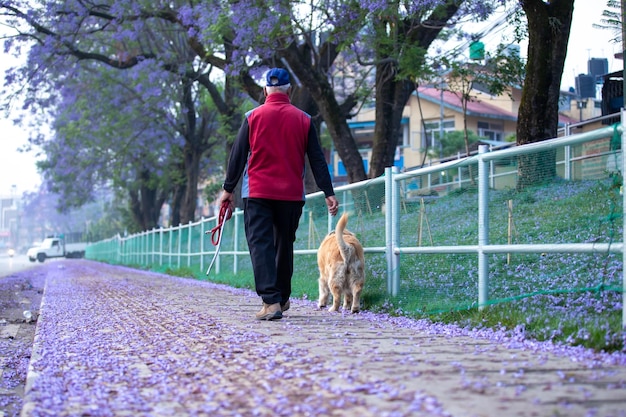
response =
{"points": [[372, 123]]}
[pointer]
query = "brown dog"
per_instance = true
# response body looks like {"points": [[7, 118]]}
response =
{"points": [[342, 268]]}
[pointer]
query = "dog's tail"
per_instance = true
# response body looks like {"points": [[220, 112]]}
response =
{"points": [[346, 251]]}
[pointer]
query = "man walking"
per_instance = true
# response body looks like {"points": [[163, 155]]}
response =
{"points": [[269, 151]]}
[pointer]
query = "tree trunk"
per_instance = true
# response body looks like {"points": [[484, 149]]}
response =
{"points": [[335, 117], [465, 102], [149, 211], [345, 144], [548, 35], [192, 171], [391, 97], [395, 93], [175, 208], [144, 204], [197, 131]]}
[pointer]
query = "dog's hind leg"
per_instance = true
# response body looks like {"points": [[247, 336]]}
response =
{"points": [[336, 287], [336, 292], [323, 293], [347, 299], [356, 289]]}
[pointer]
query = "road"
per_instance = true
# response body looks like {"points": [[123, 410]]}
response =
{"points": [[11, 265]]}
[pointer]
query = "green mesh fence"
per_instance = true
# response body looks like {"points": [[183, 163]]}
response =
{"points": [[557, 195], [559, 205]]}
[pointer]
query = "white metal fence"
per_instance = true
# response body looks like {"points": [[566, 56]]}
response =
{"points": [[384, 199]]}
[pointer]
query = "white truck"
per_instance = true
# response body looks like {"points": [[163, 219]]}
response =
{"points": [[55, 247]]}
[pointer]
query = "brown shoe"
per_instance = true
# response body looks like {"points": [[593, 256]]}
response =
{"points": [[285, 307], [270, 312]]}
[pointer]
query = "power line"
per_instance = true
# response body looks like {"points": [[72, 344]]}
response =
{"points": [[497, 26]]}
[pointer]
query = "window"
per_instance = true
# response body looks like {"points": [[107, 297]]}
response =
{"points": [[430, 139], [492, 131]]}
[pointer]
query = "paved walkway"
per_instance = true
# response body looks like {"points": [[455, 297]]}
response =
{"points": [[113, 341]]}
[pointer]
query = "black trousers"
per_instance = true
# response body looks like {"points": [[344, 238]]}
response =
{"points": [[271, 231]]}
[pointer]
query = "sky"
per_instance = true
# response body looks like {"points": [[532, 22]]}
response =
{"points": [[18, 173], [586, 42]]}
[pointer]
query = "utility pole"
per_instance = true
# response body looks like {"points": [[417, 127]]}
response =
{"points": [[441, 113]]}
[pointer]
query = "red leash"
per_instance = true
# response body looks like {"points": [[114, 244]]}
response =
{"points": [[216, 232], [225, 214]]}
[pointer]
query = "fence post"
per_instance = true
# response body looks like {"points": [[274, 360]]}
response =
{"points": [[189, 245], [492, 171], [202, 244], [623, 168], [567, 157], [343, 204], [395, 232], [567, 160], [145, 248], [483, 227], [161, 246], [180, 243], [118, 248], [388, 227], [171, 233]]}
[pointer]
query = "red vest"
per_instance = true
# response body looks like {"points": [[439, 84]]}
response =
{"points": [[278, 136]]}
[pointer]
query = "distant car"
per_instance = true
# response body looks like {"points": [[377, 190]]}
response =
{"points": [[11, 252], [54, 247]]}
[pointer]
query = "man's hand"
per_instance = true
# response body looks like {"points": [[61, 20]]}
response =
{"points": [[333, 205], [230, 198]]}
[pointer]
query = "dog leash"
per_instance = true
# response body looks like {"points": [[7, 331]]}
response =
{"points": [[216, 232]]}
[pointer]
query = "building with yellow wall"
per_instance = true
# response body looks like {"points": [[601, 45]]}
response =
{"points": [[431, 111]]}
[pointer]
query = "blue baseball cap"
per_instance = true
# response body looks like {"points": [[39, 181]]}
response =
{"points": [[277, 77]]}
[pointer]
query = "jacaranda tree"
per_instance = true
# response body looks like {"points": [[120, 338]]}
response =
{"points": [[314, 39], [242, 39], [118, 35], [112, 137]]}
